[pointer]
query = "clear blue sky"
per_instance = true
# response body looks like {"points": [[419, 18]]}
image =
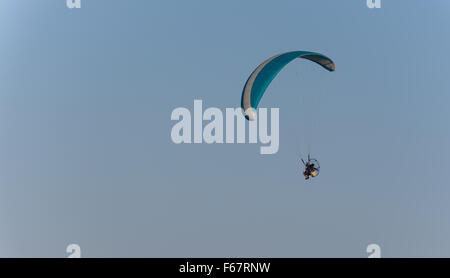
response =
{"points": [[85, 150]]}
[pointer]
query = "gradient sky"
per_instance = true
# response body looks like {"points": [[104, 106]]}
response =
{"points": [[85, 149]]}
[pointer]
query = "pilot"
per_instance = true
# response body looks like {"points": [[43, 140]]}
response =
{"points": [[309, 171]]}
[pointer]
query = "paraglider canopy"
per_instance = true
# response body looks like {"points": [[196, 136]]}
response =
{"points": [[263, 75]]}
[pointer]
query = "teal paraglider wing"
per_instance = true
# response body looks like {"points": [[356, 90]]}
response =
{"points": [[263, 75]]}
